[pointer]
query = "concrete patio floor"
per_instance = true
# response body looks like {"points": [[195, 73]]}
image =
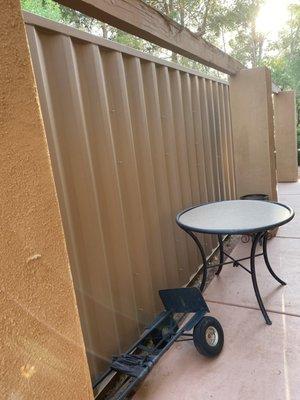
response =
{"points": [[258, 362]]}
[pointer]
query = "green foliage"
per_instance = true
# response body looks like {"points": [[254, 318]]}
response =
{"points": [[285, 64], [213, 20], [209, 19], [45, 8], [247, 44], [133, 41]]}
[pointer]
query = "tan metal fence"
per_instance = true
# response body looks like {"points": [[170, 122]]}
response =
{"points": [[133, 140]]}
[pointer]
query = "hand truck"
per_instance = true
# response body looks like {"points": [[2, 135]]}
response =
{"points": [[136, 363]]}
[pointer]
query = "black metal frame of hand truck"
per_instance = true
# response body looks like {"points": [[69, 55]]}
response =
{"points": [[156, 340]]}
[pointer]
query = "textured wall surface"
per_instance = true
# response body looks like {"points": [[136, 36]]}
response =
{"points": [[41, 347], [133, 140], [253, 132], [286, 136]]}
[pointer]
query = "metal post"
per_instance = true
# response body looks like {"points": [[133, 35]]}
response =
{"points": [[254, 281], [265, 253], [196, 240], [221, 248]]}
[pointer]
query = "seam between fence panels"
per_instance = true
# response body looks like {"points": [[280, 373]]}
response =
{"points": [[287, 237], [252, 308], [289, 194]]}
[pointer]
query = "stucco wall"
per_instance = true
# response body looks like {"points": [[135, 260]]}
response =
{"points": [[41, 347], [253, 132], [286, 136]]}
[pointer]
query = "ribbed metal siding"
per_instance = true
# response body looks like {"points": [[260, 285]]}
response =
{"points": [[132, 142]]}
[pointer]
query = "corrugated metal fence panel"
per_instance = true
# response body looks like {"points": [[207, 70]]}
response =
{"points": [[133, 141]]}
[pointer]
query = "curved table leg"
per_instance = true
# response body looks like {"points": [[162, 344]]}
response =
{"points": [[265, 253], [221, 248], [196, 240], [254, 281]]}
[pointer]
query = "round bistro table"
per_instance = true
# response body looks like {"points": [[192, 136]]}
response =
{"points": [[236, 217]]}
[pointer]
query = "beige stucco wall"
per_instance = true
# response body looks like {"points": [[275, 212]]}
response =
{"points": [[41, 347], [286, 136], [253, 132]]}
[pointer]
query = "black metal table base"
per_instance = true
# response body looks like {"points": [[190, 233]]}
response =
{"points": [[237, 263]]}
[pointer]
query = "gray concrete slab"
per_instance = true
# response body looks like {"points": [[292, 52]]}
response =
{"points": [[234, 285], [292, 229], [258, 362]]}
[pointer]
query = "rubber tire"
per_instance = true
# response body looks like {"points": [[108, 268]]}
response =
{"points": [[199, 337]]}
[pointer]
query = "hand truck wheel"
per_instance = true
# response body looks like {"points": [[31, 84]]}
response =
{"points": [[208, 337]]}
